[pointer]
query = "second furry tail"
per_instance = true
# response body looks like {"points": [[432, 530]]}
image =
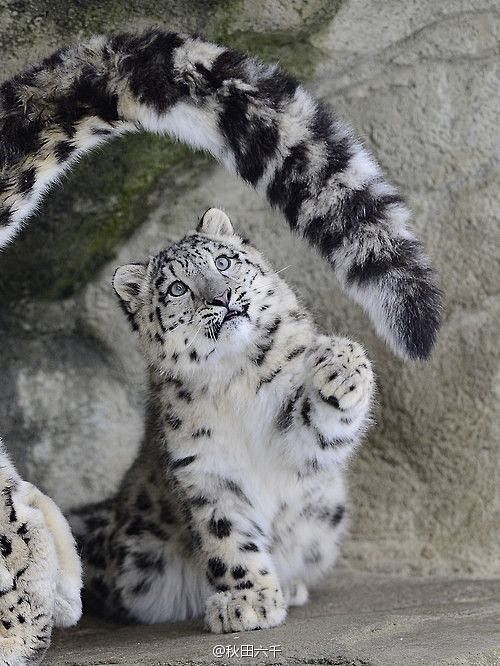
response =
{"points": [[253, 117]]}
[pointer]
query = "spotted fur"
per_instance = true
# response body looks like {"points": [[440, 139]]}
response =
{"points": [[254, 118], [40, 572], [237, 501]]}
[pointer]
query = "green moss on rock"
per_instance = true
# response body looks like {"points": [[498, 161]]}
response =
{"points": [[105, 198], [293, 48]]}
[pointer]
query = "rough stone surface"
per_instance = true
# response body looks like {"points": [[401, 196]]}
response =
{"points": [[420, 82], [357, 620]]}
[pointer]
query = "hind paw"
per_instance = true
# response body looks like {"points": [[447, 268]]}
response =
{"points": [[296, 593]]}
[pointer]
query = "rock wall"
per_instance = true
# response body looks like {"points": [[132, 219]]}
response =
{"points": [[420, 82]]}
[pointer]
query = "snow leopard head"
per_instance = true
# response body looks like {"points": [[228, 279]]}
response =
{"points": [[210, 296]]}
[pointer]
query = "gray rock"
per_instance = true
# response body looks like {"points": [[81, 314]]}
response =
{"points": [[420, 82]]}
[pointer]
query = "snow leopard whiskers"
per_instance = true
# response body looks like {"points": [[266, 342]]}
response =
{"points": [[236, 502]]}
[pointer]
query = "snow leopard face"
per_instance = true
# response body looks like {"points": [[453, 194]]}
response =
{"points": [[208, 297]]}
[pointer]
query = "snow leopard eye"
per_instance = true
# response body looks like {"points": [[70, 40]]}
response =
{"points": [[223, 262], [177, 288]]}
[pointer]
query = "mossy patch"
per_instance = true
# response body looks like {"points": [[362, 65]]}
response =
{"points": [[293, 48], [104, 199]]}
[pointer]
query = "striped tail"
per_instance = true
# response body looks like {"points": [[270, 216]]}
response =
{"points": [[254, 118]]}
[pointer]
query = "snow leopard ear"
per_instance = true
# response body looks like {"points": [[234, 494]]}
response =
{"points": [[128, 282], [216, 223]]}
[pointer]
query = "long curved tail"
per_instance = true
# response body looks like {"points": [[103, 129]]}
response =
{"points": [[251, 116]]}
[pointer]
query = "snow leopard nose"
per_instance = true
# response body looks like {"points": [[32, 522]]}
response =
{"points": [[222, 300]]}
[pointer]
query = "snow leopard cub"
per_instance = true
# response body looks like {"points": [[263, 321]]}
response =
{"points": [[40, 572], [236, 502]]}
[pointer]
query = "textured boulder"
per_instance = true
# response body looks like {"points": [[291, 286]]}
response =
{"points": [[420, 83]]}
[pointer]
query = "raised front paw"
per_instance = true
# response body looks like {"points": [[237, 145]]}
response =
{"points": [[244, 610], [342, 374]]}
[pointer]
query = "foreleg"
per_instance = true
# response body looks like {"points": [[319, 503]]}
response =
{"points": [[235, 553]]}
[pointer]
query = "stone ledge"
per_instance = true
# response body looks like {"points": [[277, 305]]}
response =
{"points": [[357, 619]]}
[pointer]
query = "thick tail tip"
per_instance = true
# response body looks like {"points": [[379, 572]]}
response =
{"points": [[400, 293], [416, 320]]}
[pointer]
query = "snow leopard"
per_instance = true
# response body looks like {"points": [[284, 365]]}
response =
{"points": [[40, 571], [237, 500], [253, 117]]}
